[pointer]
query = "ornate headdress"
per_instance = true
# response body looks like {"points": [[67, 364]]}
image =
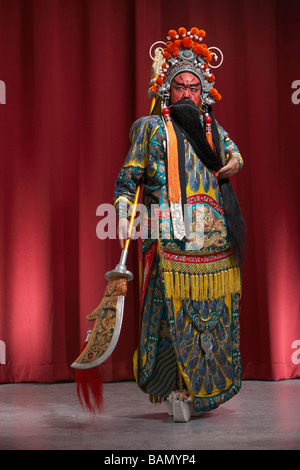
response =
{"points": [[184, 51]]}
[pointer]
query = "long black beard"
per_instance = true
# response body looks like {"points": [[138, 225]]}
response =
{"points": [[186, 115]]}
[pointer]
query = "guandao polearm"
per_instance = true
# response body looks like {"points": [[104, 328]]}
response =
{"points": [[108, 316]]}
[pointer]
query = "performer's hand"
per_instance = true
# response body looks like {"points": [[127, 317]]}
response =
{"points": [[123, 229], [230, 169]]}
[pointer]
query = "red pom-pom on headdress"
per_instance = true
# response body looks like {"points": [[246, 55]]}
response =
{"points": [[187, 43], [195, 31], [181, 31], [172, 33]]}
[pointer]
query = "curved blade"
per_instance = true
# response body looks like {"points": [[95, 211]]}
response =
{"points": [[108, 318]]}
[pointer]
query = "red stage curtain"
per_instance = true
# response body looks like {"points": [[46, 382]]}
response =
{"points": [[76, 75]]}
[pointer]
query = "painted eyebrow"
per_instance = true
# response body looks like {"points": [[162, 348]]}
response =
{"points": [[182, 83]]}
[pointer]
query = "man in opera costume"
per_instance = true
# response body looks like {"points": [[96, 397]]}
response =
{"points": [[188, 352]]}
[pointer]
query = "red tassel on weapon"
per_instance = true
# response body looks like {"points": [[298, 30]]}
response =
{"points": [[89, 386]]}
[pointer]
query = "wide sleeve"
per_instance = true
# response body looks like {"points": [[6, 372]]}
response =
{"points": [[228, 144], [133, 170]]}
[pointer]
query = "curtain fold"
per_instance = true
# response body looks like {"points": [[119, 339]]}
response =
{"points": [[76, 74]]}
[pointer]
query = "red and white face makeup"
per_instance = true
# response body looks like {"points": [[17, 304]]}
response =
{"points": [[185, 86]]}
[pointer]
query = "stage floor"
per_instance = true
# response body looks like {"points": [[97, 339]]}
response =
{"points": [[264, 415]]}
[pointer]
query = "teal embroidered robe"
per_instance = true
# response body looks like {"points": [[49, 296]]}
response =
{"points": [[189, 326]]}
